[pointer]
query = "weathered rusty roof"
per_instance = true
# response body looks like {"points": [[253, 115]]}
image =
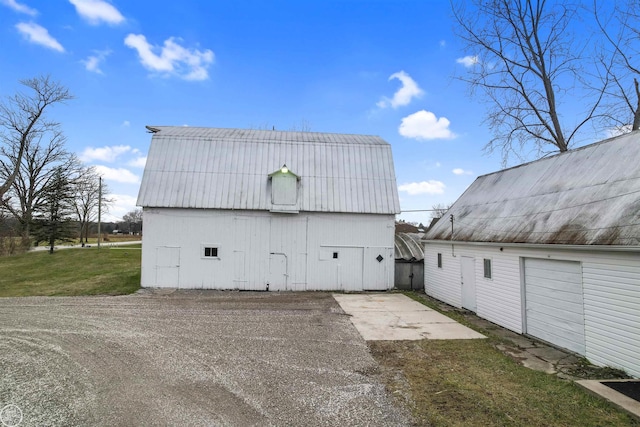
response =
{"points": [[408, 247], [215, 168], [587, 196]]}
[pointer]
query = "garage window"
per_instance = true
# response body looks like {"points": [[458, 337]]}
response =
{"points": [[210, 251], [487, 268], [439, 260]]}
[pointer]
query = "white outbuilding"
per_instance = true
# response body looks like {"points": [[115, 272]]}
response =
{"points": [[267, 210], [551, 249]]}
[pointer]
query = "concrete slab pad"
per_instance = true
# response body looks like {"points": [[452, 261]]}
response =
{"points": [[398, 317]]}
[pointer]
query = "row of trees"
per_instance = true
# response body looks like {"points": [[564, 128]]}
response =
{"points": [[534, 61], [44, 187]]}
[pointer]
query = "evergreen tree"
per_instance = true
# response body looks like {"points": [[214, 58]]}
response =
{"points": [[54, 220]]}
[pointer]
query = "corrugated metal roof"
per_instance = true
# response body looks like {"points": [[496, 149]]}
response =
{"points": [[408, 247], [587, 196], [228, 169]]}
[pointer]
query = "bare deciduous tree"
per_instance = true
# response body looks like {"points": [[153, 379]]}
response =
{"points": [[86, 199], [527, 61], [618, 22], [438, 210], [134, 220], [23, 120], [36, 170]]}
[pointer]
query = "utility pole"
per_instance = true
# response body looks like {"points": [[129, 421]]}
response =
{"points": [[99, 207]]}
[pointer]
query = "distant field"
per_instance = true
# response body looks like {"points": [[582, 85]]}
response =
{"points": [[86, 271]]}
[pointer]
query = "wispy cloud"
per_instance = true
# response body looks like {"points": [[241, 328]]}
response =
{"points": [[460, 171], [423, 187], [92, 63], [468, 61], [126, 123], [140, 162], [36, 34], [98, 11], [172, 59], [19, 7], [405, 94], [425, 125], [122, 175], [105, 154]]}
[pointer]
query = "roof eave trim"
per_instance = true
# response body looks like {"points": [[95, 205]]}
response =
{"points": [[612, 248]]}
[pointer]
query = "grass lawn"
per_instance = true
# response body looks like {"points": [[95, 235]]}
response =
{"points": [[86, 271], [472, 383]]}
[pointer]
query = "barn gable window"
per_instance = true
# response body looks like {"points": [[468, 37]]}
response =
{"points": [[284, 190], [209, 251], [487, 268], [439, 260]]}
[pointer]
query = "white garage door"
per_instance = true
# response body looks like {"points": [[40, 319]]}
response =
{"points": [[554, 302]]}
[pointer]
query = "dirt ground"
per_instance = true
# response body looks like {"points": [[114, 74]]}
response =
{"points": [[187, 358]]}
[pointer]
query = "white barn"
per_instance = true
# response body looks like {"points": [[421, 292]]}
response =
{"points": [[267, 210], [551, 249]]}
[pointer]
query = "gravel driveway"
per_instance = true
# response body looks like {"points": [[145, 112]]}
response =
{"points": [[187, 358]]}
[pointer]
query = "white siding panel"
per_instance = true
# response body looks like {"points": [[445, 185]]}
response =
{"points": [[611, 294], [247, 239], [497, 299], [442, 283], [612, 310]]}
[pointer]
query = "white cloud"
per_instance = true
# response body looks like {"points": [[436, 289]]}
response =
{"points": [[140, 162], [405, 94], [423, 187], [424, 125], [19, 7], [460, 171], [122, 204], [92, 63], [34, 33], [442, 43], [173, 59], [468, 61], [117, 174], [126, 123], [617, 131], [104, 154], [97, 11]]}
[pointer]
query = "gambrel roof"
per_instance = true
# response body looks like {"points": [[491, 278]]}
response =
{"points": [[213, 168], [586, 196]]}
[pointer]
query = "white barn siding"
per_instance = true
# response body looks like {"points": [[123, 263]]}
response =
{"points": [[611, 293], [498, 299], [290, 252]]}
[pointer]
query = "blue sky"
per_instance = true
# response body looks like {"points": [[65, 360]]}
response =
{"points": [[368, 67]]}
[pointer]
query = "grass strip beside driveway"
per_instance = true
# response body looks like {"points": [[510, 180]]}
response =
{"points": [[472, 383], [71, 272]]}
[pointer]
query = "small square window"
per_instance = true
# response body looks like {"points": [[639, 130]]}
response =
{"points": [[210, 252], [439, 260], [335, 255], [487, 268]]}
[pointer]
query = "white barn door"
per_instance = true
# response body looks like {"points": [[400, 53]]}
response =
{"points": [[468, 282], [554, 302], [376, 274], [167, 266]]}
